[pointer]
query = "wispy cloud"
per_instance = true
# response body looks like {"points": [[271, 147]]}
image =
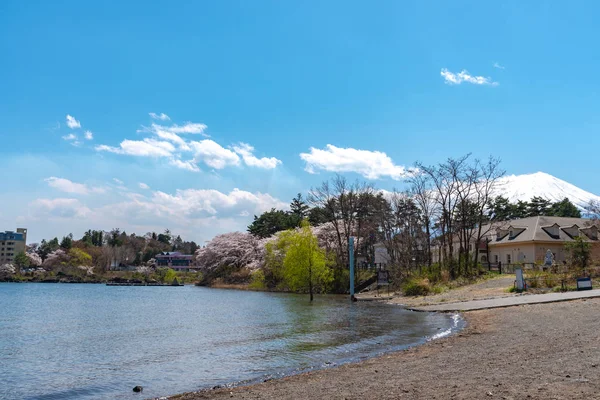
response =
{"points": [[142, 185], [189, 165], [88, 135], [70, 136], [496, 65], [464, 76], [147, 147], [72, 122], [118, 181], [169, 141], [67, 186], [246, 151], [57, 208], [161, 116], [370, 164]]}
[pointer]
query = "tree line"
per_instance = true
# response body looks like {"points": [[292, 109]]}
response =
{"points": [[446, 206]]}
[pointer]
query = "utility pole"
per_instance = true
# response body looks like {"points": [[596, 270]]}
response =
{"points": [[351, 258]]}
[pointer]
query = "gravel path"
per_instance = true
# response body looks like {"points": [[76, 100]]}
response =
{"points": [[510, 301], [541, 351]]}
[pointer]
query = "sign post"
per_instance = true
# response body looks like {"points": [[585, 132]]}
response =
{"points": [[520, 281], [351, 258]]}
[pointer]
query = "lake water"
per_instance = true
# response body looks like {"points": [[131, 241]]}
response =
{"points": [[67, 341]]}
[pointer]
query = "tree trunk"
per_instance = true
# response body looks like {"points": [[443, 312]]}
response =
{"points": [[310, 283]]}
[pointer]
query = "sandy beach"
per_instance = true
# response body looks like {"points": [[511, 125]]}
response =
{"points": [[543, 351]]}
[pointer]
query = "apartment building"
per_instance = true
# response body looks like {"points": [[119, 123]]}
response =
{"points": [[11, 244]]}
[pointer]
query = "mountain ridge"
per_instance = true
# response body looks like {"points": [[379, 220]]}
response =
{"points": [[526, 186]]}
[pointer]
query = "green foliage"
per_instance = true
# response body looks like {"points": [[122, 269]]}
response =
{"points": [[318, 216], [416, 287], [299, 207], [170, 275], [48, 247], [305, 264], [501, 209], [79, 257], [565, 208], [164, 275], [67, 242], [165, 238], [579, 252], [271, 222], [21, 260], [93, 238], [258, 280]]}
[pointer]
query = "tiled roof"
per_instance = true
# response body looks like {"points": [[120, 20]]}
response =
{"points": [[539, 229]]}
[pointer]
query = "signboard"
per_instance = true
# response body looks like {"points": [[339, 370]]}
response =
{"points": [[383, 278], [584, 284], [520, 282]]}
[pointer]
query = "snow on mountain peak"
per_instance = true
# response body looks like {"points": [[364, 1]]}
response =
{"points": [[541, 184]]}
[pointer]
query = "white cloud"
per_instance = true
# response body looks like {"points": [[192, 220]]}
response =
{"points": [[161, 116], [189, 127], [142, 185], [70, 136], [464, 76], [246, 151], [370, 164], [58, 208], [168, 141], [67, 186], [88, 135], [171, 137], [72, 122], [213, 154], [196, 203], [496, 65], [146, 147], [189, 165], [118, 181]]}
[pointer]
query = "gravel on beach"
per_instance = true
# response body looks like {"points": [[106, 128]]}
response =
{"points": [[542, 351]]}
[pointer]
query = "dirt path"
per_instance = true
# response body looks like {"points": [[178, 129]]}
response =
{"points": [[491, 288], [543, 351]]}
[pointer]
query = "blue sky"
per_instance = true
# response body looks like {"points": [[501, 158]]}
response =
{"points": [[362, 88]]}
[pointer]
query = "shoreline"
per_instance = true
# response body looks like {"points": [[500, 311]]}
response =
{"points": [[534, 351], [459, 326]]}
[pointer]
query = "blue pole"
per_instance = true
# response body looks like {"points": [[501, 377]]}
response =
{"points": [[351, 258]]}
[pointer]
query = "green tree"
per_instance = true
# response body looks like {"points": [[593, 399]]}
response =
{"points": [[78, 257], [538, 206], [67, 242], [114, 238], [579, 252], [299, 207], [500, 209], [271, 222], [47, 247], [305, 265], [165, 237], [21, 260], [170, 276], [564, 208], [318, 216]]}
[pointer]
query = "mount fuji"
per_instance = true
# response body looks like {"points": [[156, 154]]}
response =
{"points": [[541, 184]]}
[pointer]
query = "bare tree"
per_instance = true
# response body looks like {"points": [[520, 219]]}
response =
{"points": [[425, 198], [347, 205]]}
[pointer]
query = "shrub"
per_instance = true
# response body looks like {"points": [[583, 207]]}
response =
{"points": [[416, 287], [258, 280]]}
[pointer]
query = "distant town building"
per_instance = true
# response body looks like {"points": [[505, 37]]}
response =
{"points": [[11, 244], [175, 260]]}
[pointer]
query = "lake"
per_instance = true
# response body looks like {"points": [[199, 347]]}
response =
{"points": [[77, 341]]}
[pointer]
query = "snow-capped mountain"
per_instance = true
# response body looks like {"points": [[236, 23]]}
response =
{"points": [[524, 187]]}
